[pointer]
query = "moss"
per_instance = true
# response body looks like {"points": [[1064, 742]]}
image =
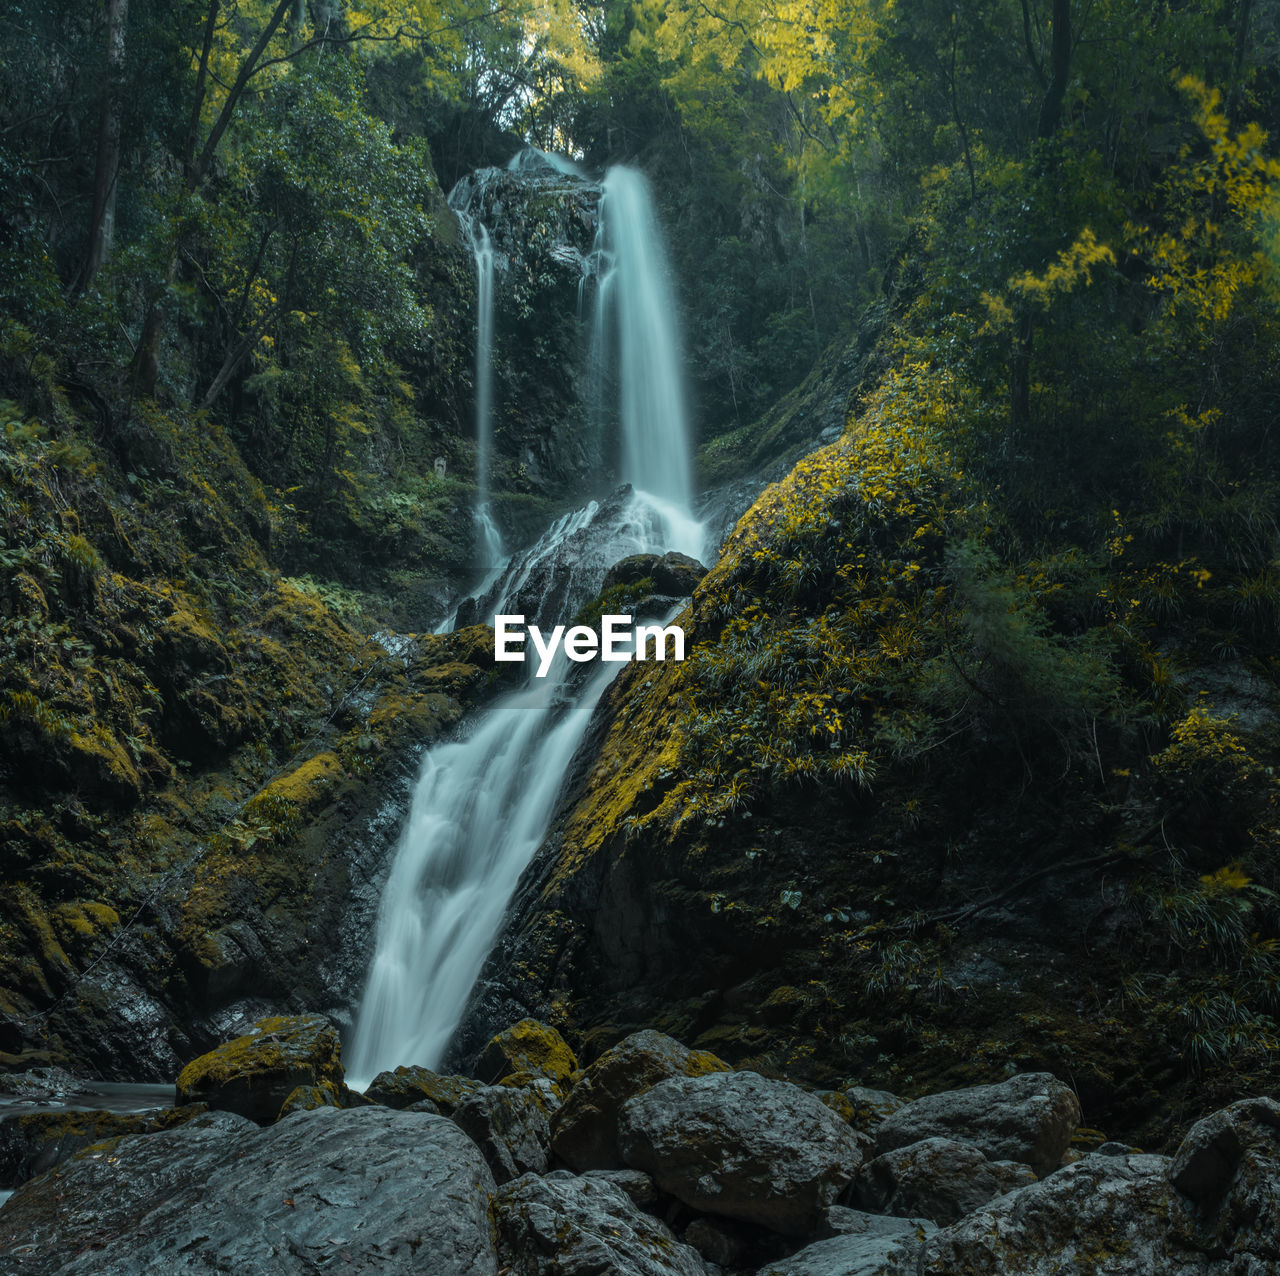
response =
{"points": [[305, 787], [528, 1047]]}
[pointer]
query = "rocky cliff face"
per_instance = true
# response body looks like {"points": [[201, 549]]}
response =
{"points": [[853, 833], [541, 220]]}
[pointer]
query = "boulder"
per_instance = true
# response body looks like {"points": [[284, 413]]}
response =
{"points": [[941, 1179], [840, 1220], [1228, 1169], [254, 1074], [351, 1191], [37, 1141], [570, 1225], [306, 1097], [673, 574], [741, 1146], [867, 1254], [527, 1047], [584, 1133], [1029, 1118], [407, 1086], [1104, 1215], [509, 1126], [871, 1107]]}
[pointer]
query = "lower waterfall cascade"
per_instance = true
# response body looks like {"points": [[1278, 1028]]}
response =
{"points": [[483, 804]]}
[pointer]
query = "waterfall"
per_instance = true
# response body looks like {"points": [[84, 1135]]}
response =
{"points": [[483, 804], [635, 291], [490, 538]]}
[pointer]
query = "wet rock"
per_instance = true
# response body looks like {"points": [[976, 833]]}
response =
{"points": [[1228, 1167], [410, 1085], [365, 1190], [941, 1179], [36, 1084], [893, 1254], [570, 1225], [1029, 1118], [673, 574], [527, 1047], [584, 1133], [509, 1126], [254, 1074], [37, 1141], [739, 1145], [1104, 1215]]}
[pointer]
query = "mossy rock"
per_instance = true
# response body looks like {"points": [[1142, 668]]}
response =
{"points": [[838, 1104], [409, 1085], [584, 1132], [305, 1097], [37, 1141], [254, 1074], [528, 1046]]}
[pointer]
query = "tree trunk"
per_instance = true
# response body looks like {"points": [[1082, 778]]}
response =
{"points": [[102, 221], [1059, 69]]}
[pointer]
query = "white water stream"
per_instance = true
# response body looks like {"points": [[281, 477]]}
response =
{"points": [[483, 804]]}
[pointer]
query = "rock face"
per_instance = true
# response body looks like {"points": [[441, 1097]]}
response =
{"points": [[254, 1074], [327, 1190], [738, 1145], [1029, 1118], [567, 1225], [509, 1125], [1228, 1168], [528, 1046], [584, 1133], [938, 1178]]}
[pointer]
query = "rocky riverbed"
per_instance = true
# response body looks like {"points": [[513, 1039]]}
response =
{"points": [[653, 1160]]}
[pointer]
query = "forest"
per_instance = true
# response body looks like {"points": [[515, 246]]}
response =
{"points": [[921, 361]]}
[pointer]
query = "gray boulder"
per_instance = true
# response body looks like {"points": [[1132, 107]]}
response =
{"points": [[1104, 1216], [1029, 1118], [1228, 1169], [840, 1220], [941, 1179], [570, 1225], [350, 1191], [509, 1125], [584, 1132], [740, 1146], [893, 1254]]}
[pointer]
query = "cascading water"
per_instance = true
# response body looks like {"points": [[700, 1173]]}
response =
{"points": [[490, 537], [483, 805], [635, 287]]}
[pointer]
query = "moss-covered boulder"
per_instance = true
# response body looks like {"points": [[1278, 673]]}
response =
{"points": [[527, 1047], [407, 1086], [305, 1097], [584, 1133], [35, 1142], [254, 1074]]}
